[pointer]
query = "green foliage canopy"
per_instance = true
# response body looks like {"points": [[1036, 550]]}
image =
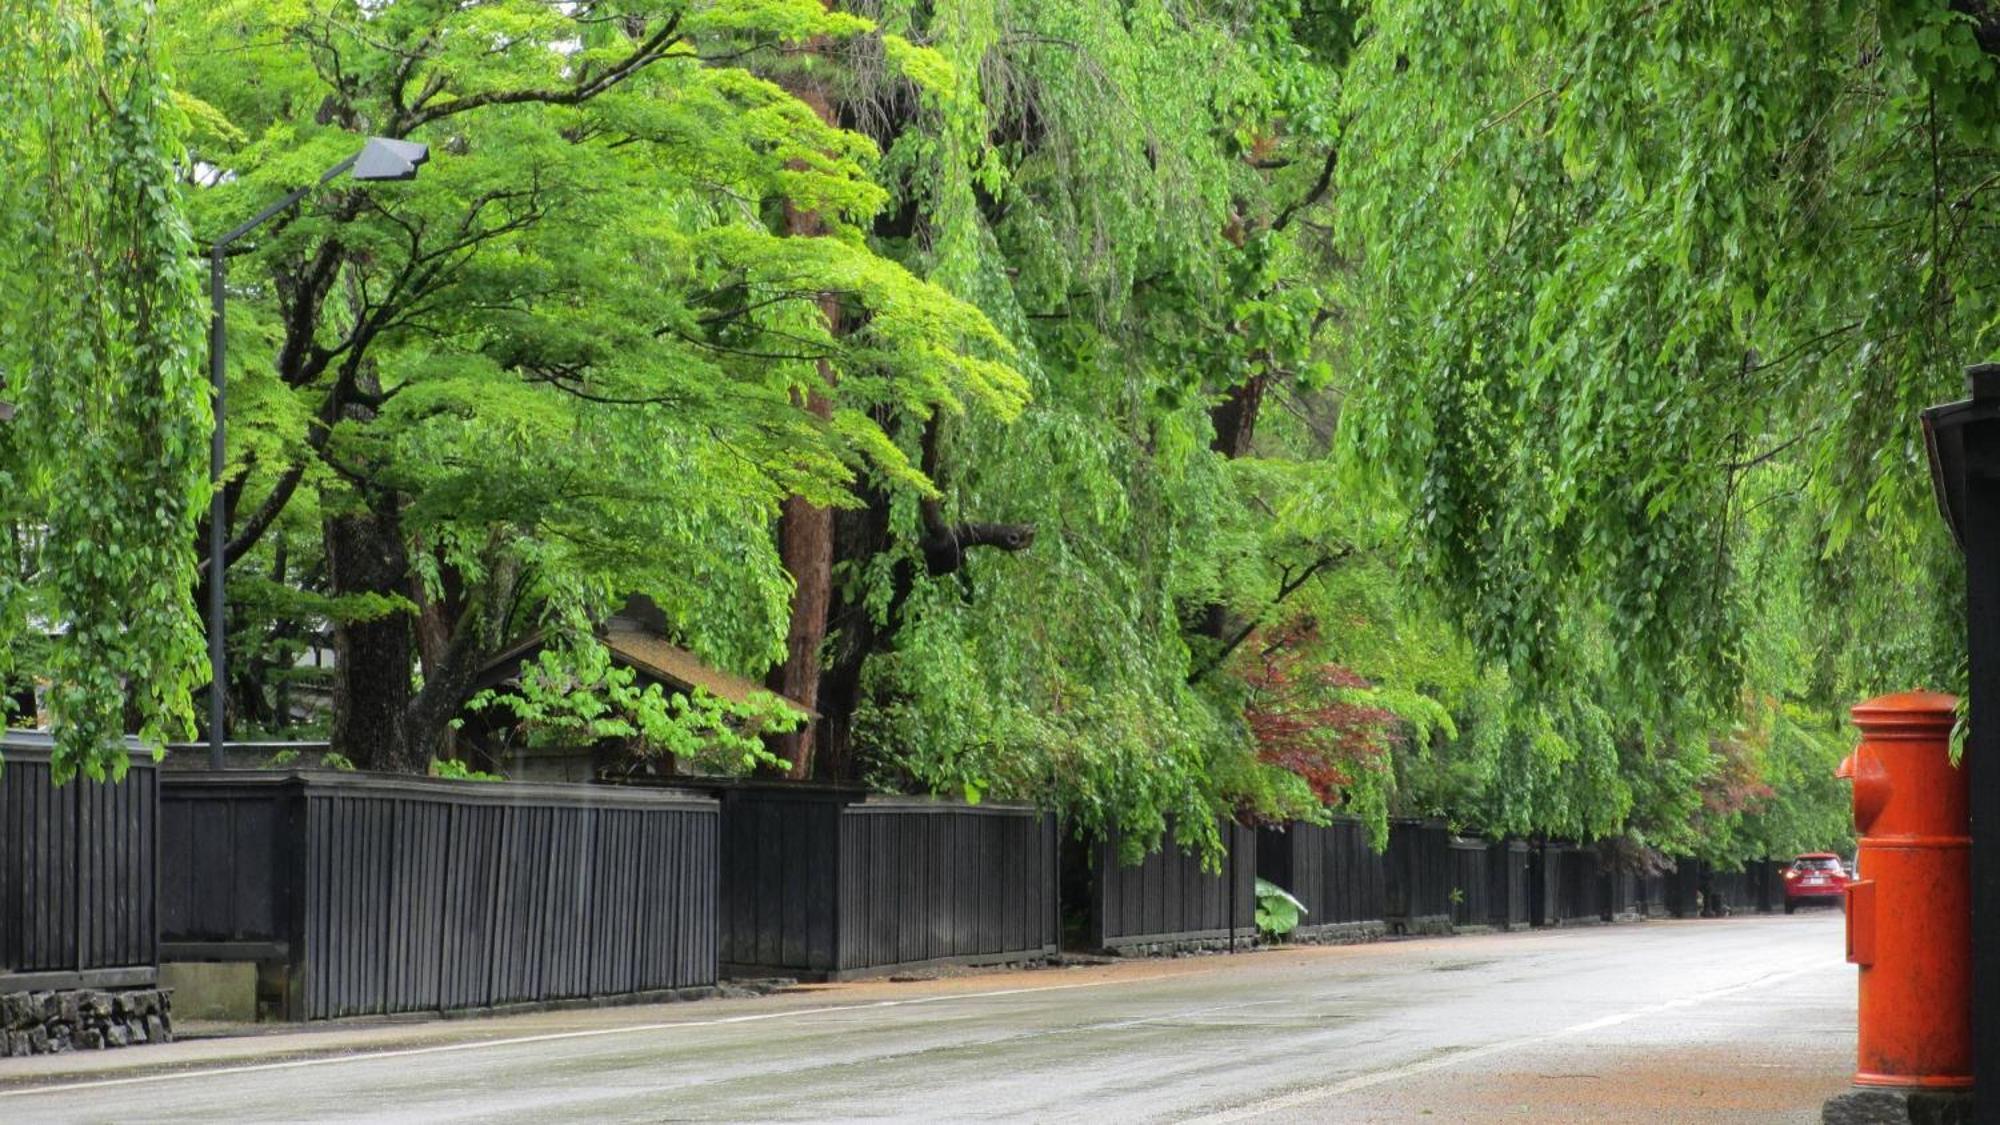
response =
{"points": [[102, 462]]}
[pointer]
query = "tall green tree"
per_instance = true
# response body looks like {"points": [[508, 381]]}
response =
{"points": [[567, 363]]}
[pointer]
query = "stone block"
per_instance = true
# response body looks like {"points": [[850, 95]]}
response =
{"points": [[91, 1040], [156, 1030], [210, 990], [19, 1011], [116, 1036]]}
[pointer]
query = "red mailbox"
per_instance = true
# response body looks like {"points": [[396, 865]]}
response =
{"points": [[1909, 914]]}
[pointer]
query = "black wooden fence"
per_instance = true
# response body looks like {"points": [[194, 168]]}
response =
{"points": [[1419, 880], [1169, 900], [1681, 889], [1567, 886], [1471, 885], [367, 895], [77, 908], [1333, 871], [1758, 888], [1622, 896], [830, 883], [1509, 884], [1652, 891]]}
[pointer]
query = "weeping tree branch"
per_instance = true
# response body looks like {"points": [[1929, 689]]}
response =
{"points": [[1289, 583], [944, 544]]}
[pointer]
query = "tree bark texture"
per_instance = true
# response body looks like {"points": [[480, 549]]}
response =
{"points": [[372, 681], [805, 531]]}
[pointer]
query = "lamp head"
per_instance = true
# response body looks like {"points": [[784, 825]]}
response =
{"points": [[1944, 442], [385, 159]]}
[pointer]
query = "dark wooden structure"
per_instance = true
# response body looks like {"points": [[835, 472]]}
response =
{"points": [[1565, 885], [364, 894], [1471, 884], [1962, 442], [1652, 891], [77, 905], [1621, 896], [826, 882], [1758, 888], [1681, 892], [1333, 871], [1509, 884], [1419, 881], [1169, 901]]}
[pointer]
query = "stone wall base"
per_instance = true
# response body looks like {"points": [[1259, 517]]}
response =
{"points": [[1339, 933], [1168, 946], [1421, 924], [1864, 1106], [83, 1019]]}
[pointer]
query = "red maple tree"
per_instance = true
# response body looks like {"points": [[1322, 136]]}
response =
{"points": [[1303, 714]]}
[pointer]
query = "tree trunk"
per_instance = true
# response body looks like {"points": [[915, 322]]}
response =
{"points": [[805, 545], [1235, 417], [371, 681], [859, 535], [1235, 423], [805, 531]]}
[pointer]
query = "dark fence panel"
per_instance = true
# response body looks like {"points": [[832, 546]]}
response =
{"points": [[1759, 887], [1509, 883], [1583, 886], [929, 881], [1769, 876], [1620, 897], [1682, 888], [1471, 887], [376, 895], [77, 873], [1545, 884], [781, 853], [1332, 870], [1419, 876], [828, 882], [1168, 899], [1652, 895], [1574, 890]]}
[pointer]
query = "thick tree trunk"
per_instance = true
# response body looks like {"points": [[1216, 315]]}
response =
{"points": [[1235, 423], [1235, 417], [805, 531], [863, 534], [859, 534], [371, 682], [805, 546]]}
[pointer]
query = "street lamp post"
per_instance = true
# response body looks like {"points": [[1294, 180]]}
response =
{"points": [[381, 158]]}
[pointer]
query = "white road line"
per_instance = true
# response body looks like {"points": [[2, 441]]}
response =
{"points": [[1312, 1094], [554, 1036]]}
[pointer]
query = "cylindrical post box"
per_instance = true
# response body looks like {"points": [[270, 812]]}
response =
{"points": [[1909, 911]]}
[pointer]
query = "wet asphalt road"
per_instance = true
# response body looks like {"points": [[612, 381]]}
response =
{"points": [[1747, 1019]]}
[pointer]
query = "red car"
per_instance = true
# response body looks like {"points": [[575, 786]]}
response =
{"points": [[1815, 876]]}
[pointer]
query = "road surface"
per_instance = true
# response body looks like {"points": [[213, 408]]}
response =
{"points": [[1747, 1019]]}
